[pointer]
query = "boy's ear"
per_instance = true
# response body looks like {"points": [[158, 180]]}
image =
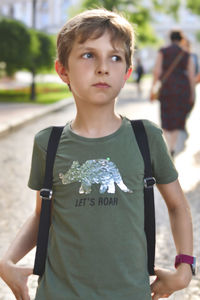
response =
{"points": [[62, 72], [128, 73]]}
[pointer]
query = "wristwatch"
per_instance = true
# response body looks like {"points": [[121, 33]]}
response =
{"points": [[183, 258]]}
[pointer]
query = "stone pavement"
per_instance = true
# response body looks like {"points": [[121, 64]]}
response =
{"points": [[14, 115], [187, 162]]}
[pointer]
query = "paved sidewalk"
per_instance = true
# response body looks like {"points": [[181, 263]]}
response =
{"points": [[14, 115]]}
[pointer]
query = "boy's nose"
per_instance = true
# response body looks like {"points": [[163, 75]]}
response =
{"points": [[102, 68]]}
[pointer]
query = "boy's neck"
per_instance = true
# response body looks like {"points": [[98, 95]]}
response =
{"points": [[97, 124]]}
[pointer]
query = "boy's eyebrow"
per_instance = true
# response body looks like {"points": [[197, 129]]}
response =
{"points": [[86, 48]]}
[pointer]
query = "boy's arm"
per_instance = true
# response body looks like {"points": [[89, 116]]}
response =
{"points": [[16, 276], [181, 224], [191, 76]]}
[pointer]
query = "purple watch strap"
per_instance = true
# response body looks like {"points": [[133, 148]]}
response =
{"points": [[183, 258]]}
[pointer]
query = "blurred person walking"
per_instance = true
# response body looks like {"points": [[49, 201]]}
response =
{"points": [[177, 90], [139, 72]]}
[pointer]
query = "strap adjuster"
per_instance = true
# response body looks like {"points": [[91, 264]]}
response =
{"points": [[149, 182], [46, 194]]}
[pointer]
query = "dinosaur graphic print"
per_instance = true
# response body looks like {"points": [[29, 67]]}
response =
{"points": [[95, 171]]}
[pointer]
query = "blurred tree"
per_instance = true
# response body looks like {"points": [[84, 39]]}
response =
{"points": [[198, 36], [108, 4], [42, 55], [141, 19], [44, 60], [194, 6], [170, 7], [23, 48], [15, 45]]}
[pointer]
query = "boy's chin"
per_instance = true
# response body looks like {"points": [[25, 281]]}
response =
{"points": [[100, 100]]}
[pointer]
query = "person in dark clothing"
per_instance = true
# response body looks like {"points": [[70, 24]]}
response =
{"points": [[177, 91], [139, 71]]}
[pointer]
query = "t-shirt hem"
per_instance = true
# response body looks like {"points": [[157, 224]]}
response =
{"points": [[168, 180], [34, 187]]}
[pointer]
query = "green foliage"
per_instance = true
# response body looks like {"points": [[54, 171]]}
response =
{"points": [[194, 6], [23, 48], [140, 16], [144, 31], [198, 36], [34, 43], [170, 7], [145, 36], [15, 45], [108, 4], [42, 51]]}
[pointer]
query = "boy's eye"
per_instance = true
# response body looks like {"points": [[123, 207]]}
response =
{"points": [[116, 58], [87, 55]]}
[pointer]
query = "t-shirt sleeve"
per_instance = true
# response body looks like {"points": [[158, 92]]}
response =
{"points": [[164, 170], [37, 171]]}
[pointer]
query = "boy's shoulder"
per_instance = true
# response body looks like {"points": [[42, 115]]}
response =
{"points": [[151, 128], [42, 138], [153, 131]]}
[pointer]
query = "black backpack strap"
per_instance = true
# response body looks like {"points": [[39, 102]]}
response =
{"points": [[149, 181], [46, 195]]}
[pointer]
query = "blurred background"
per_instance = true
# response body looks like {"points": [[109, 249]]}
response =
{"points": [[30, 90], [28, 30]]}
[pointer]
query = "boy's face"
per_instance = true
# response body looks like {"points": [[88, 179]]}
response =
{"points": [[96, 70]]}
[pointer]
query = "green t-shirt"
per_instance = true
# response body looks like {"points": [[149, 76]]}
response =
{"points": [[97, 245]]}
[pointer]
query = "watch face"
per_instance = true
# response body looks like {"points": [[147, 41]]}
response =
{"points": [[193, 266]]}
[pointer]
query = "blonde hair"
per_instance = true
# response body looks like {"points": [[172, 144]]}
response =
{"points": [[92, 24]]}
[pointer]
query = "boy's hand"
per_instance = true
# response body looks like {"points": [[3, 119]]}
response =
{"points": [[167, 282], [16, 278]]}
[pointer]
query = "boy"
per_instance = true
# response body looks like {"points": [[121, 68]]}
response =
{"points": [[97, 245]]}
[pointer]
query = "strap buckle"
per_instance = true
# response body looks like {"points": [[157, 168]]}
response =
{"points": [[46, 194], [149, 182]]}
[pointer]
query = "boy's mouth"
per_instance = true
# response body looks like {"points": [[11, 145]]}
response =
{"points": [[101, 85]]}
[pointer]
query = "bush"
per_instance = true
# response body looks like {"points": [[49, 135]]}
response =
{"points": [[15, 45], [23, 48]]}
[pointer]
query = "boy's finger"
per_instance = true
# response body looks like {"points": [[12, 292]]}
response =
{"points": [[29, 271], [26, 268], [154, 285], [25, 296], [159, 272], [155, 297], [25, 272], [18, 296], [158, 296]]}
